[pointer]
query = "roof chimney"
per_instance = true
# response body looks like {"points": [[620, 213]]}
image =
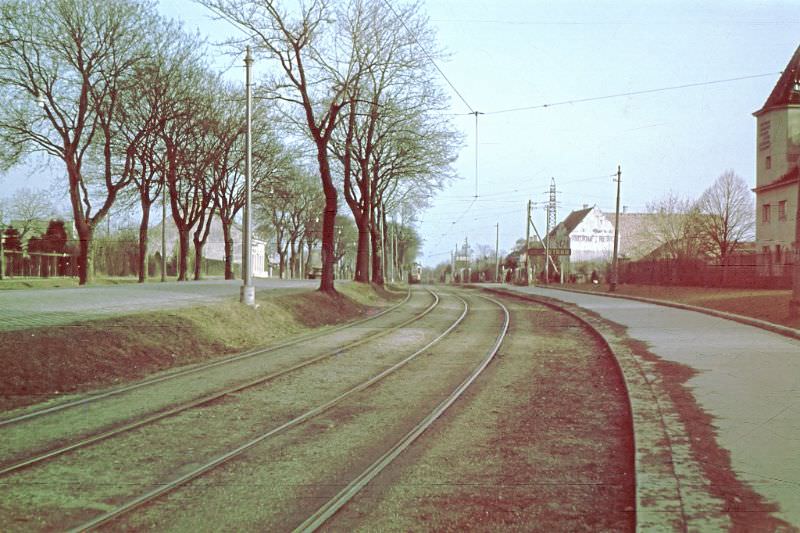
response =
{"points": [[624, 208], [585, 206]]}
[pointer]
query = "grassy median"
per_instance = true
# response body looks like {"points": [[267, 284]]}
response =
{"points": [[40, 363]]}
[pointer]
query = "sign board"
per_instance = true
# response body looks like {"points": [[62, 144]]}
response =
{"points": [[553, 251]]}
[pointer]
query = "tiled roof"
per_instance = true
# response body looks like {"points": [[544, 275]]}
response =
{"points": [[785, 91], [572, 221]]}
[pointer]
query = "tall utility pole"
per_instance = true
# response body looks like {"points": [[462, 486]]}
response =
{"points": [[528, 245], [163, 227], [248, 292], [614, 272], [466, 257], [497, 253], [453, 264], [551, 224]]}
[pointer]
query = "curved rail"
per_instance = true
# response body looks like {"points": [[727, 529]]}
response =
{"points": [[214, 463], [94, 439], [219, 362], [324, 513]]}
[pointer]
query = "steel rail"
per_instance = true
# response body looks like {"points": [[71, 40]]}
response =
{"points": [[219, 362], [214, 463], [94, 439], [332, 506]]}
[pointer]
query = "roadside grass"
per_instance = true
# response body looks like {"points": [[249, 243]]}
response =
{"points": [[40, 363], [24, 282], [763, 304]]}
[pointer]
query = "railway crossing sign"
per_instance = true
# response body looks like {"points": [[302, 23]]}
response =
{"points": [[552, 251]]}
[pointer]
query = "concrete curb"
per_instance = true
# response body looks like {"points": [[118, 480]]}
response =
{"points": [[763, 324], [671, 490]]}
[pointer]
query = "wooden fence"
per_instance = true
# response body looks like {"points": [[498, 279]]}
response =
{"points": [[742, 271]]}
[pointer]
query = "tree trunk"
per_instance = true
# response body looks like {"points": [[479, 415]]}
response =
{"points": [[328, 219], [377, 270], [226, 233], [183, 253], [142, 259], [362, 254], [85, 258], [198, 259]]}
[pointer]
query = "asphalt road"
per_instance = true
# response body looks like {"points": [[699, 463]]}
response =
{"points": [[47, 307], [748, 379]]}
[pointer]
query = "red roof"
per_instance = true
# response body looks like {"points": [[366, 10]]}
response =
{"points": [[786, 90]]}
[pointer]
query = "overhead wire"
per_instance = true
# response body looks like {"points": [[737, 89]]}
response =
{"points": [[630, 93]]}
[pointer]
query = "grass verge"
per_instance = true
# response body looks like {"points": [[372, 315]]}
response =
{"points": [[39, 363]]}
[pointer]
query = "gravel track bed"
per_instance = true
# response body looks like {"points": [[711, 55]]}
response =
{"points": [[72, 488], [541, 442]]}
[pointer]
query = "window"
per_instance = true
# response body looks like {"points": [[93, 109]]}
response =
{"points": [[765, 213], [769, 162], [782, 210]]}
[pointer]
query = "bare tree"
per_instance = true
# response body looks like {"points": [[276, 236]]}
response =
{"points": [[27, 208], [672, 228], [318, 71], [391, 108], [270, 163], [190, 153], [64, 66], [727, 215], [145, 115]]}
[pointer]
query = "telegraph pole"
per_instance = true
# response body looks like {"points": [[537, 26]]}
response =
{"points": [[248, 292], [466, 257], [163, 228], [528, 245], [497, 253], [614, 272]]}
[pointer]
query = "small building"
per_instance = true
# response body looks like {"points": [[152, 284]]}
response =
{"points": [[777, 177], [587, 233]]}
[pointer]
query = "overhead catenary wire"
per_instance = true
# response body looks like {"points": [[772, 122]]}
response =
{"points": [[427, 55], [629, 93]]}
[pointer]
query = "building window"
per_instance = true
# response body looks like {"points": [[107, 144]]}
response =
{"points": [[777, 253], [765, 213], [769, 162], [782, 210]]}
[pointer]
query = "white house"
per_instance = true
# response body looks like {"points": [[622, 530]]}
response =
{"points": [[777, 178], [587, 233], [215, 246]]}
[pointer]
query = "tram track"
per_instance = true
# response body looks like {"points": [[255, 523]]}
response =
{"points": [[164, 488], [195, 369], [332, 506], [267, 457], [37, 458]]}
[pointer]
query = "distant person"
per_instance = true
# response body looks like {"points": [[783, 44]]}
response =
{"points": [[595, 279]]}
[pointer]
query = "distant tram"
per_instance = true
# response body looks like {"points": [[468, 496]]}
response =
{"points": [[415, 275]]}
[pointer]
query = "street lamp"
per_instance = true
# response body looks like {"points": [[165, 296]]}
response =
{"points": [[248, 292]]}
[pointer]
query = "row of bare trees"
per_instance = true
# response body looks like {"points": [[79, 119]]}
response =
{"points": [[125, 100], [355, 78], [715, 225]]}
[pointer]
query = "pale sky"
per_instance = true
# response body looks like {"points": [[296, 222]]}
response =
{"points": [[512, 54]]}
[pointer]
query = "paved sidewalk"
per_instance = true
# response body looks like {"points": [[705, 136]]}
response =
{"points": [[748, 380], [21, 309]]}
